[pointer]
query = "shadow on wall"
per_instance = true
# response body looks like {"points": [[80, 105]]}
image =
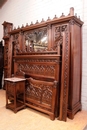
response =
{"points": [[2, 2]]}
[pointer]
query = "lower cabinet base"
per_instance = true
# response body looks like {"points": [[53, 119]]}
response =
{"points": [[72, 112]]}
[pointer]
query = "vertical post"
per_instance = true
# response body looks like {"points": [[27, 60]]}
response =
{"points": [[71, 11], [65, 76]]}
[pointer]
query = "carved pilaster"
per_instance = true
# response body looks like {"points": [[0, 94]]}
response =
{"points": [[10, 57], [65, 76]]}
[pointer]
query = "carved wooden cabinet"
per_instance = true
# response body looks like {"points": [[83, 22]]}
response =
{"points": [[50, 55]]}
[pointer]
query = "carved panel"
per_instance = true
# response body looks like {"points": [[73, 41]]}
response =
{"points": [[33, 91], [47, 94], [10, 89], [40, 91], [46, 70]]}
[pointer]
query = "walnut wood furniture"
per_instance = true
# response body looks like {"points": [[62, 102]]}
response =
{"points": [[49, 52], [6, 27], [41, 95], [1, 63], [15, 93]]}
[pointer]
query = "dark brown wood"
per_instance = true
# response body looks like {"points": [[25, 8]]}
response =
{"points": [[65, 75], [1, 63], [15, 93], [6, 28], [49, 52], [41, 95]]}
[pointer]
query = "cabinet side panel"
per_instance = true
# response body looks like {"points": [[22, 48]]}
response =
{"points": [[75, 83]]}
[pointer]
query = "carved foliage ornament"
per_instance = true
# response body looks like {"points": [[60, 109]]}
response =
{"points": [[58, 35], [16, 43], [39, 91]]}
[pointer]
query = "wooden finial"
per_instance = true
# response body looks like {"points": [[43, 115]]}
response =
{"points": [[18, 26], [42, 20], [55, 17], [48, 19], [75, 14], [22, 26], [26, 24], [71, 11], [37, 22], [31, 23]]}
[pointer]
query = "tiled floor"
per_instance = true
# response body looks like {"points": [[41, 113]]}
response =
{"points": [[28, 119]]}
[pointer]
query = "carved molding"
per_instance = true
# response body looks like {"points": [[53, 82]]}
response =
{"points": [[36, 60]]}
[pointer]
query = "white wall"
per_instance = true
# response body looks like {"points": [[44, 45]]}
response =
{"points": [[24, 11], [84, 63]]}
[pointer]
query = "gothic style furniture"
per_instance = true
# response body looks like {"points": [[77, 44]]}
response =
{"points": [[6, 27], [1, 63], [15, 93], [50, 55]]}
